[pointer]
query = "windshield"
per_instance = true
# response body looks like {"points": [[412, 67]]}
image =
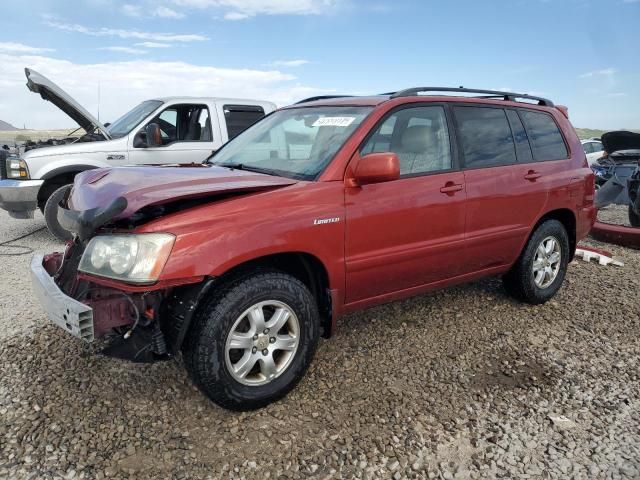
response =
{"points": [[296, 143], [131, 119]]}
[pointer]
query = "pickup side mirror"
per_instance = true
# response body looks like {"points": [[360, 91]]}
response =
{"points": [[154, 139], [377, 168], [149, 137], [140, 139]]}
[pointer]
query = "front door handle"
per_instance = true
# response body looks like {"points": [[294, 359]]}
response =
{"points": [[450, 188], [532, 175]]}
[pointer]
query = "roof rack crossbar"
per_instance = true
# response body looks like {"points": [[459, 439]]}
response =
{"points": [[321, 97], [511, 96]]}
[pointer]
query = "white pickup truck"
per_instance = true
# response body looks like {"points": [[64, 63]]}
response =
{"points": [[158, 131]]}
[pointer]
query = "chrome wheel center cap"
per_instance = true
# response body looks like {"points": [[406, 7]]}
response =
{"points": [[262, 342]]}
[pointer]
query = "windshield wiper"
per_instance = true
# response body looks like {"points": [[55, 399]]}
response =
{"points": [[247, 168]]}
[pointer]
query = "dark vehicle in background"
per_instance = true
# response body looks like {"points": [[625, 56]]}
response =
{"points": [[618, 173]]}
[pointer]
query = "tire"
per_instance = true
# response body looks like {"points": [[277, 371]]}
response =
{"points": [[51, 214], [634, 218], [211, 360], [524, 281]]}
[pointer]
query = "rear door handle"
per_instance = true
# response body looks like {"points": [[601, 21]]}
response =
{"points": [[532, 175], [450, 188]]}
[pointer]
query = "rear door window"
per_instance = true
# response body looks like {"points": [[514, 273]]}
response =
{"points": [[240, 117], [485, 136], [545, 137]]}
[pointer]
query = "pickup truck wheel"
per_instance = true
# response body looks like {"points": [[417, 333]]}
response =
{"points": [[539, 272], [634, 218], [51, 214], [253, 342]]}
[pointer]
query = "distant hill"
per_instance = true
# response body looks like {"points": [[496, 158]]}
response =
{"points": [[585, 133], [4, 126]]}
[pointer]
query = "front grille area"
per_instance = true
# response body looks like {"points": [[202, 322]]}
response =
{"points": [[3, 164]]}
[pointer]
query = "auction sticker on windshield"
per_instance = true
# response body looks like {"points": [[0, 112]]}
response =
{"points": [[333, 122]]}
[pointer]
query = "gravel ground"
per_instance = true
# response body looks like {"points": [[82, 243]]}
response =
{"points": [[616, 214], [464, 383]]}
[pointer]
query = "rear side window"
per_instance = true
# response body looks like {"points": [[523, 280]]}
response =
{"points": [[240, 117], [545, 137], [523, 150], [485, 136]]}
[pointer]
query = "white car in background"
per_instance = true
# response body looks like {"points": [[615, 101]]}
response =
{"points": [[593, 149]]}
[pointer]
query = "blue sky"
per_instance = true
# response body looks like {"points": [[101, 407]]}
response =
{"points": [[581, 53]]}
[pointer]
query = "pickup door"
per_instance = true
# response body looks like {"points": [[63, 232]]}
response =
{"points": [[409, 232], [192, 131]]}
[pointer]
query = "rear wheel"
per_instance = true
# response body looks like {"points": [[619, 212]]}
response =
{"points": [[253, 342], [539, 272], [634, 218], [51, 214]]}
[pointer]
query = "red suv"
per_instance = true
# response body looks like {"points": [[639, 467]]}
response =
{"points": [[322, 208]]}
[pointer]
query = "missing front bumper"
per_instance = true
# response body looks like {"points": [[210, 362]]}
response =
{"points": [[67, 313]]}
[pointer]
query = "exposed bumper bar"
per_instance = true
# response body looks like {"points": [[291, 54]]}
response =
{"points": [[19, 197], [67, 313]]}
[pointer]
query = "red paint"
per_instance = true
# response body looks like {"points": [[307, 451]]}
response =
{"points": [[146, 185], [393, 239], [617, 234]]}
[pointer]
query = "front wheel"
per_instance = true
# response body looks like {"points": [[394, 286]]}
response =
{"points": [[539, 272], [253, 342], [634, 218], [51, 214]]}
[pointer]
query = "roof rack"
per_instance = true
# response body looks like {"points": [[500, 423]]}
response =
{"points": [[321, 97], [511, 96]]}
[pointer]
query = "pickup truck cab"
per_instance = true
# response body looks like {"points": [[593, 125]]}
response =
{"points": [[322, 208], [189, 129]]}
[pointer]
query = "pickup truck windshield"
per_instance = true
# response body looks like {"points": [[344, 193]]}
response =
{"points": [[131, 119], [297, 143]]}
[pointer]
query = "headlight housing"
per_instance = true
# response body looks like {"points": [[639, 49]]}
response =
{"points": [[130, 258], [17, 168]]}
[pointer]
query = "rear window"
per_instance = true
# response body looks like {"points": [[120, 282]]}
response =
{"points": [[240, 117], [485, 136], [545, 137]]}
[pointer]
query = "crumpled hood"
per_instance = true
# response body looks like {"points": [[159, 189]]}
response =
{"points": [[141, 186], [620, 140]]}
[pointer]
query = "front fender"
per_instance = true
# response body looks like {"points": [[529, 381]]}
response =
{"points": [[62, 166]]}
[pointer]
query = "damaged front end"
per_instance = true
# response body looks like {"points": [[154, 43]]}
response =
{"points": [[129, 320], [109, 282], [128, 315]]}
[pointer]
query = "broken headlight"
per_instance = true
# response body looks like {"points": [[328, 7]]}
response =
{"points": [[129, 258]]}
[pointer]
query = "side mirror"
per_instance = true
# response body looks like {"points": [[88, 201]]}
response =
{"points": [[377, 168], [154, 139], [140, 140]]}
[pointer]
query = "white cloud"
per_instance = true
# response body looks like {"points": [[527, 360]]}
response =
{"points": [[153, 45], [131, 10], [132, 51], [606, 72], [166, 12], [240, 9], [289, 63], [125, 84], [235, 16], [126, 34], [12, 47], [616, 94]]}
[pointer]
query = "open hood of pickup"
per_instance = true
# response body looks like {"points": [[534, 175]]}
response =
{"points": [[142, 186], [48, 90], [620, 140]]}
